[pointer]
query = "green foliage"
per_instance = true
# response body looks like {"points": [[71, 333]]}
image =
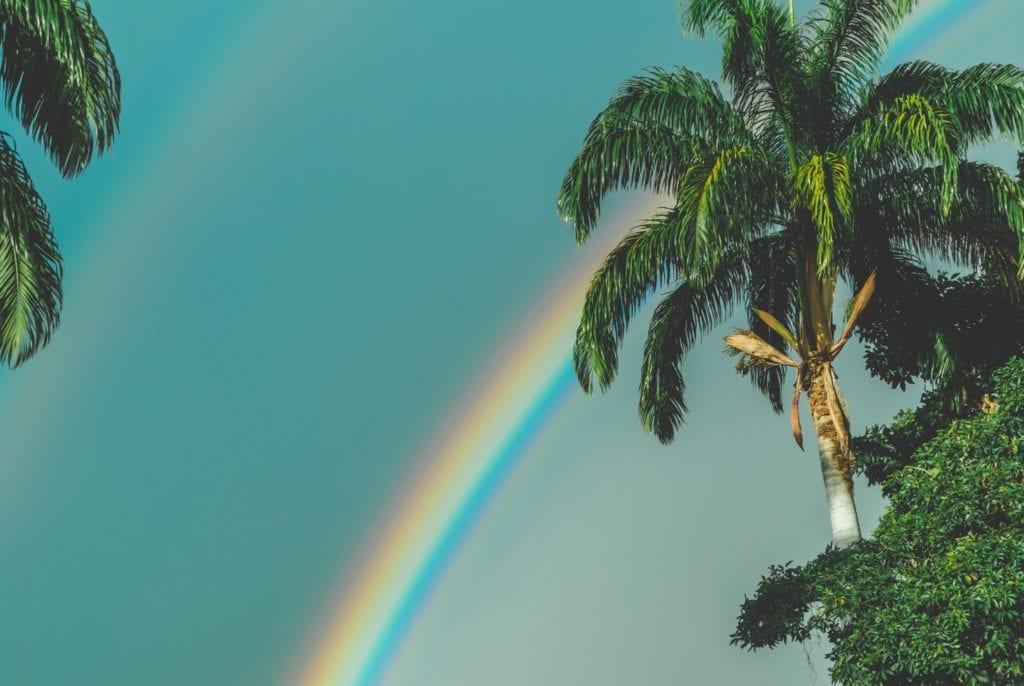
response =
{"points": [[850, 38], [966, 327], [976, 324], [937, 595], [822, 186], [30, 267], [645, 138], [816, 160], [677, 320], [884, 450], [59, 78]]}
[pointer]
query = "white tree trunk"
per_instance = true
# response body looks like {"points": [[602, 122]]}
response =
{"points": [[836, 466]]}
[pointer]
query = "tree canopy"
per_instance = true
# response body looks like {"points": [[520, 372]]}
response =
{"points": [[936, 596], [814, 168]]}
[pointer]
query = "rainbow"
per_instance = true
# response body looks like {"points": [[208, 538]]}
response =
{"points": [[481, 444], [487, 435]]}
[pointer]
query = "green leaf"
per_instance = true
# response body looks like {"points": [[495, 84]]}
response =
{"points": [[646, 258], [822, 186], [725, 198], [850, 38], [30, 265]]}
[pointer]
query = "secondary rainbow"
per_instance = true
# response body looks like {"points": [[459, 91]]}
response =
{"points": [[490, 432]]}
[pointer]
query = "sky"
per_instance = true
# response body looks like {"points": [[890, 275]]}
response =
{"points": [[322, 226]]}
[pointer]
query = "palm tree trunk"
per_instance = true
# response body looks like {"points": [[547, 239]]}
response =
{"points": [[836, 460]]}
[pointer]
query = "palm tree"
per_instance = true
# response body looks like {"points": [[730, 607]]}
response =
{"points": [[816, 170], [59, 79]]}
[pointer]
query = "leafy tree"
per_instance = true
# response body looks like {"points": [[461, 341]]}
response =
{"points": [[977, 329], [937, 595], [59, 79], [972, 324], [816, 170]]}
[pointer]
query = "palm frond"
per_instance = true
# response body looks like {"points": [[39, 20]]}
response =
{"points": [[60, 78], [986, 100], [762, 57], [822, 186], [30, 265], [984, 229], [778, 327], [776, 92], [850, 38], [755, 347], [726, 197], [772, 289], [702, 16], [642, 261], [679, 319], [857, 306], [910, 132], [909, 78], [645, 138]]}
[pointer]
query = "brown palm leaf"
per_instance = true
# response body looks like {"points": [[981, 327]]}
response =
{"points": [[779, 328], [758, 348], [794, 412], [860, 303]]}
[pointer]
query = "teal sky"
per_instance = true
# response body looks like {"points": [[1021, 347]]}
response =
{"points": [[320, 221]]}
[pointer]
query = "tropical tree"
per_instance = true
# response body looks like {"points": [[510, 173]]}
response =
{"points": [[815, 170], [60, 81]]}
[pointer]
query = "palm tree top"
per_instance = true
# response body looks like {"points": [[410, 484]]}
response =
{"points": [[806, 166]]}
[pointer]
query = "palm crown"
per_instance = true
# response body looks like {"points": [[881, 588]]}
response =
{"points": [[815, 169], [60, 80]]}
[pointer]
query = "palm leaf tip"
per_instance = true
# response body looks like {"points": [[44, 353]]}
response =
{"points": [[857, 306], [682, 316], [30, 264]]}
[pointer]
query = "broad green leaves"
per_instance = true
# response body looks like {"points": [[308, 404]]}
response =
{"points": [[937, 595]]}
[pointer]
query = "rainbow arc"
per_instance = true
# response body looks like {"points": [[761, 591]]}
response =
{"points": [[484, 441]]}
